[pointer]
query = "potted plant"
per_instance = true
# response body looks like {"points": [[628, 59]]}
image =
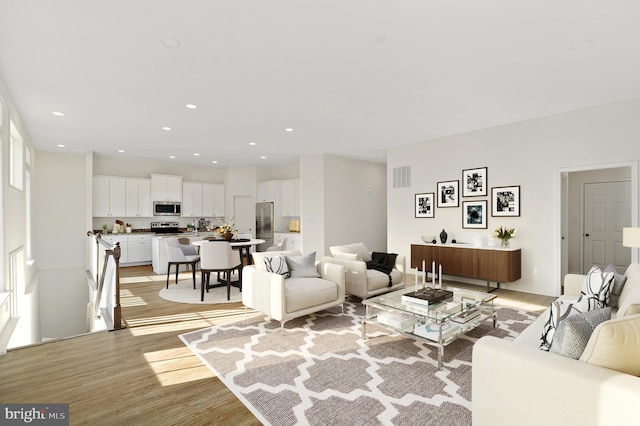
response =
{"points": [[104, 228]]}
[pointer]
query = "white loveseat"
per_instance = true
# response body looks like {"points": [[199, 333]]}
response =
{"points": [[286, 298], [363, 282], [514, 382]]}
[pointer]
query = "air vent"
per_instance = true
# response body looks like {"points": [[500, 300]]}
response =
{"points": [[402, 177]]}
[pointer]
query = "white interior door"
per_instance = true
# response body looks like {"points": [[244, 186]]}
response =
{"points": [[607, 209], [244, 211]]}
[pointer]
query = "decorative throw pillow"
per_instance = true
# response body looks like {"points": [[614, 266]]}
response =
{"points": [[618, 284], [615, 345], [573, 333], [597, 288], [558, 311], [357, 248], [347, 256], [303, 266], [277, 265]]}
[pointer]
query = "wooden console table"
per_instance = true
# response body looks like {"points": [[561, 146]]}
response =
{"points": [[483, 263]]}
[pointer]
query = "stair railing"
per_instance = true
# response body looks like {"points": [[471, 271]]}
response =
{"points": [[104, 276]]}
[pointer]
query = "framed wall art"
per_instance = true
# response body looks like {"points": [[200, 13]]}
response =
{"points": [[474, 214], [448, 193], [425, 204], [474, 182], [505, 201]]}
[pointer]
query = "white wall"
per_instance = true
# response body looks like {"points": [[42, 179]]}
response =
{"points": [[13, 231], [343, 201], [528, 154]]}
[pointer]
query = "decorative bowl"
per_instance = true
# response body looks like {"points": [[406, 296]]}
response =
{"points": [[429, 239]]}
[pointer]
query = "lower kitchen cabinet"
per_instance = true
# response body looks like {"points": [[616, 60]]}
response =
{"points": [[135, 249]]}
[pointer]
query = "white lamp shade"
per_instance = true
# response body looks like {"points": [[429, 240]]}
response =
{"points": [[631, 237]]}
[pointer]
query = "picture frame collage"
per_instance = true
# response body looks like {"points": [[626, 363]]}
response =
{"points": [[505, 200]]}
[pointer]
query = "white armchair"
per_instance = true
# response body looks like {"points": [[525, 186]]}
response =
{"points": [[363, 282], [286, 298]]}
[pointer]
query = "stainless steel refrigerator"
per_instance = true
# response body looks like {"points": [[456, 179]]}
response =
{"points": [[264, 225]]}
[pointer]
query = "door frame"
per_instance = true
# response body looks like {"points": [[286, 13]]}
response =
{"points": [[559, 203]]}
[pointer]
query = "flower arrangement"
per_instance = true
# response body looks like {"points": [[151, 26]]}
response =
{"points": [[505, 234], [227, 229]]}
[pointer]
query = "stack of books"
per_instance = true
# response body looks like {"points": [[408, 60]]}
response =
{"points": [[431, 330], [467, 316], [427, 296], [397, 320]]}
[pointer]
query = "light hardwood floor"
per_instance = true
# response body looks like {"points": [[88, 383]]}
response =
{"points": [[144, 374]]}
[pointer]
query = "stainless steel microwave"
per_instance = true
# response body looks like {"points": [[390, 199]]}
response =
{"points": [[166, 208]]}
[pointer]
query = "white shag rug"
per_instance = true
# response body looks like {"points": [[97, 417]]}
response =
{"points": [[183, 292]]}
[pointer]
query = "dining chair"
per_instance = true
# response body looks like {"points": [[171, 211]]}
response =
{"points": [[280, 247], [176, 256], [217, 256]]}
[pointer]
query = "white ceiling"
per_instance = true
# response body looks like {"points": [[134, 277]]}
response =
{"points": [[352, 78]]}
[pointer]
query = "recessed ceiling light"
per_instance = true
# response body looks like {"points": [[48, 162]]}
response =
{"points": [[166, 128], [172, 156], [288, 129], [252, 143], [191, 106], [196, 154], [170, 42], [379, 39], [214, 162], [263, 157], [58, 113], [584, 44], [60, 145], [121, 150]]}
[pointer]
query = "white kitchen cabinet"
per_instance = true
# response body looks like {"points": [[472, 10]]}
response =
{"points": [[109, 196], [270, 190], [212, 200], [134, 248], [118, 238], [291, 197], [192, 199], [166, 188], [139, 248], [294, 240], [202, 200], [138, 198]]}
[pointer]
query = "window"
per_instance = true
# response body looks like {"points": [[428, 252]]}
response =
{"points": [[16, 283], [16, 158]]}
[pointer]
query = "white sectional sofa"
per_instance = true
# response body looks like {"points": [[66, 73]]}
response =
{"points": [[516, 383]]}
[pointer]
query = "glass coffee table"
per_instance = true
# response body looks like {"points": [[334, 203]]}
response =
{"points": [[437, 324]]}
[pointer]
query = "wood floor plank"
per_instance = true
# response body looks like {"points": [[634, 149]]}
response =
{"points": [[143, 374]]}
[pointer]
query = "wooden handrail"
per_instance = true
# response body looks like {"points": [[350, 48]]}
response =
{"points": [[109, 252]]}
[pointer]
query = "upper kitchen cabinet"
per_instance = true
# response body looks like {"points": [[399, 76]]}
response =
{"points": [[138, 198], [166, 188], [191, 199], [270, 190], [202, 200], [291, 197], [109, 196], [212, 200]]}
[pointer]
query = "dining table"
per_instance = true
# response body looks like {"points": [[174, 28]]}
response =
{"points": [[241, 244]]}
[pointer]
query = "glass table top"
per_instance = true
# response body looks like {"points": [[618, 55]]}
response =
{"points": [[462, 300]]}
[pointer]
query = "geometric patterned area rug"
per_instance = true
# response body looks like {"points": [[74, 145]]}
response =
{"points": [[319, 370]]}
